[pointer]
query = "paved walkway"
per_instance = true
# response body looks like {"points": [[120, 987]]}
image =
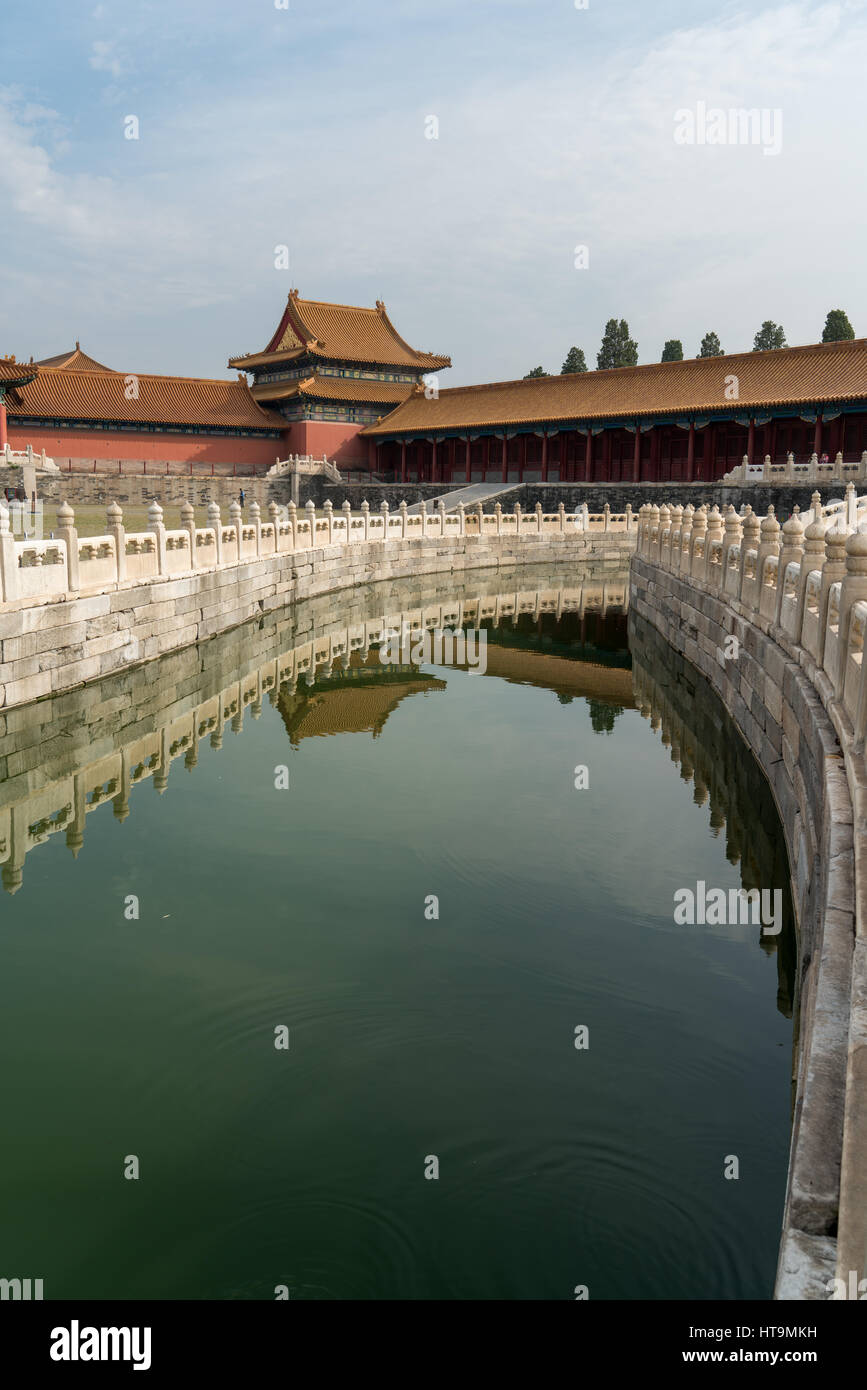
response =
{"points": [[470, 495]]}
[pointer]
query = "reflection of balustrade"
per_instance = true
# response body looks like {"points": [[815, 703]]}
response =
{"points": [[69, 796]]}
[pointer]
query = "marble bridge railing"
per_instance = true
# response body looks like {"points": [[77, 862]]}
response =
{"points": [[791, 601], [67, 563]]}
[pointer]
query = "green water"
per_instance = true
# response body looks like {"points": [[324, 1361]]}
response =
{"points": [[411, 1037]]}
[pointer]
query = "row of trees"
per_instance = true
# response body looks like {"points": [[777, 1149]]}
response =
{"points": [[620, 350]]}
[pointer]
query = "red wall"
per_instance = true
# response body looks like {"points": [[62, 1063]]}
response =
{"points": [[186, 448], [339, 442]]}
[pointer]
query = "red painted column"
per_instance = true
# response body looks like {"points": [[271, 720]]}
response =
{"points": [[4, 438], [403, 460], [544, 458], [690, 453], [751, 441], [654, 455], [772, 441], [522, 457], [606, 456], [588, 456], [433, 461], [709, 465], [469, 473], [505, 459], [817, 437], [636, 455]]}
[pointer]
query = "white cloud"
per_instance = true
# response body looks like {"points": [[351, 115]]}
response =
{"points": [[469, 238]]}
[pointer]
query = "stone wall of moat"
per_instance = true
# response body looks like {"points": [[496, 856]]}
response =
{"points": [[772, 698]]}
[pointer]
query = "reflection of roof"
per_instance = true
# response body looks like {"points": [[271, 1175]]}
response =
{"points": [[335, 388], [75, 361], [342, 332], [564, 675], [78, 394], [784, 376], [354, 701]]}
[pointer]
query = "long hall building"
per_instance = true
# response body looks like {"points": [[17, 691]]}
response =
{"points": [[664, 422], [340, 381]]}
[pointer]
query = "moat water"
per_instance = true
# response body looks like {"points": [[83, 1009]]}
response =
{"points": [[394, 865]]}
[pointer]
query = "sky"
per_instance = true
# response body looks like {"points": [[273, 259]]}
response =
{"points": [[310, 127]]}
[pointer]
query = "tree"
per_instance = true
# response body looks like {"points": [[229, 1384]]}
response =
{"points": [[618, 349], [603, 715], [537, 371], [837, 327], [673, 351], [710, 346], [574, 362], [769, 336]]}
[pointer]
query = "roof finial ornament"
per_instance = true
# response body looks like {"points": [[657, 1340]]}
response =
{"points": [[77, 346], [380, 304]]}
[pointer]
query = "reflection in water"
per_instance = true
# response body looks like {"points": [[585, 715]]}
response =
{"points": [[411, 1035], [319, 664]]}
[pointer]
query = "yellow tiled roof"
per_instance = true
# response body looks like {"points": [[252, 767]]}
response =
{"points": [[75, 361], [60, 393], [11, 371], [784, 376], [335, 388], [341, 332]]}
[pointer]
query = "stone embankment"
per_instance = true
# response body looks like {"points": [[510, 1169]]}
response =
{"points": [[775, 619]]}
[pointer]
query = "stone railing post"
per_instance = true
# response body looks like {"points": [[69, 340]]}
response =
{"points": [[652, 523], [664, 522], [790, 466], [585, 512], [684, 558], [833, 572], [115, 528], [813, 474], [766, 469], [215, 523], [292, 515], [256, 520], [676, 531], [792, 551], [715, 532], [539, 518], [813, 559], [66, 532], [235, 521], [462, 519], [157, 527], [561, 517], [518, 528], [310, 513], [328, 508], [274, 520], [698, 564], [732, 531], [498, 514], [480, 512], [188, 524], [750, 541], [365, 513], [347, 519], [9, 557], [628, 517], [383, 508], [769, 548], [853, 590], [862, 472], [851, 505], [606, 511]]}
